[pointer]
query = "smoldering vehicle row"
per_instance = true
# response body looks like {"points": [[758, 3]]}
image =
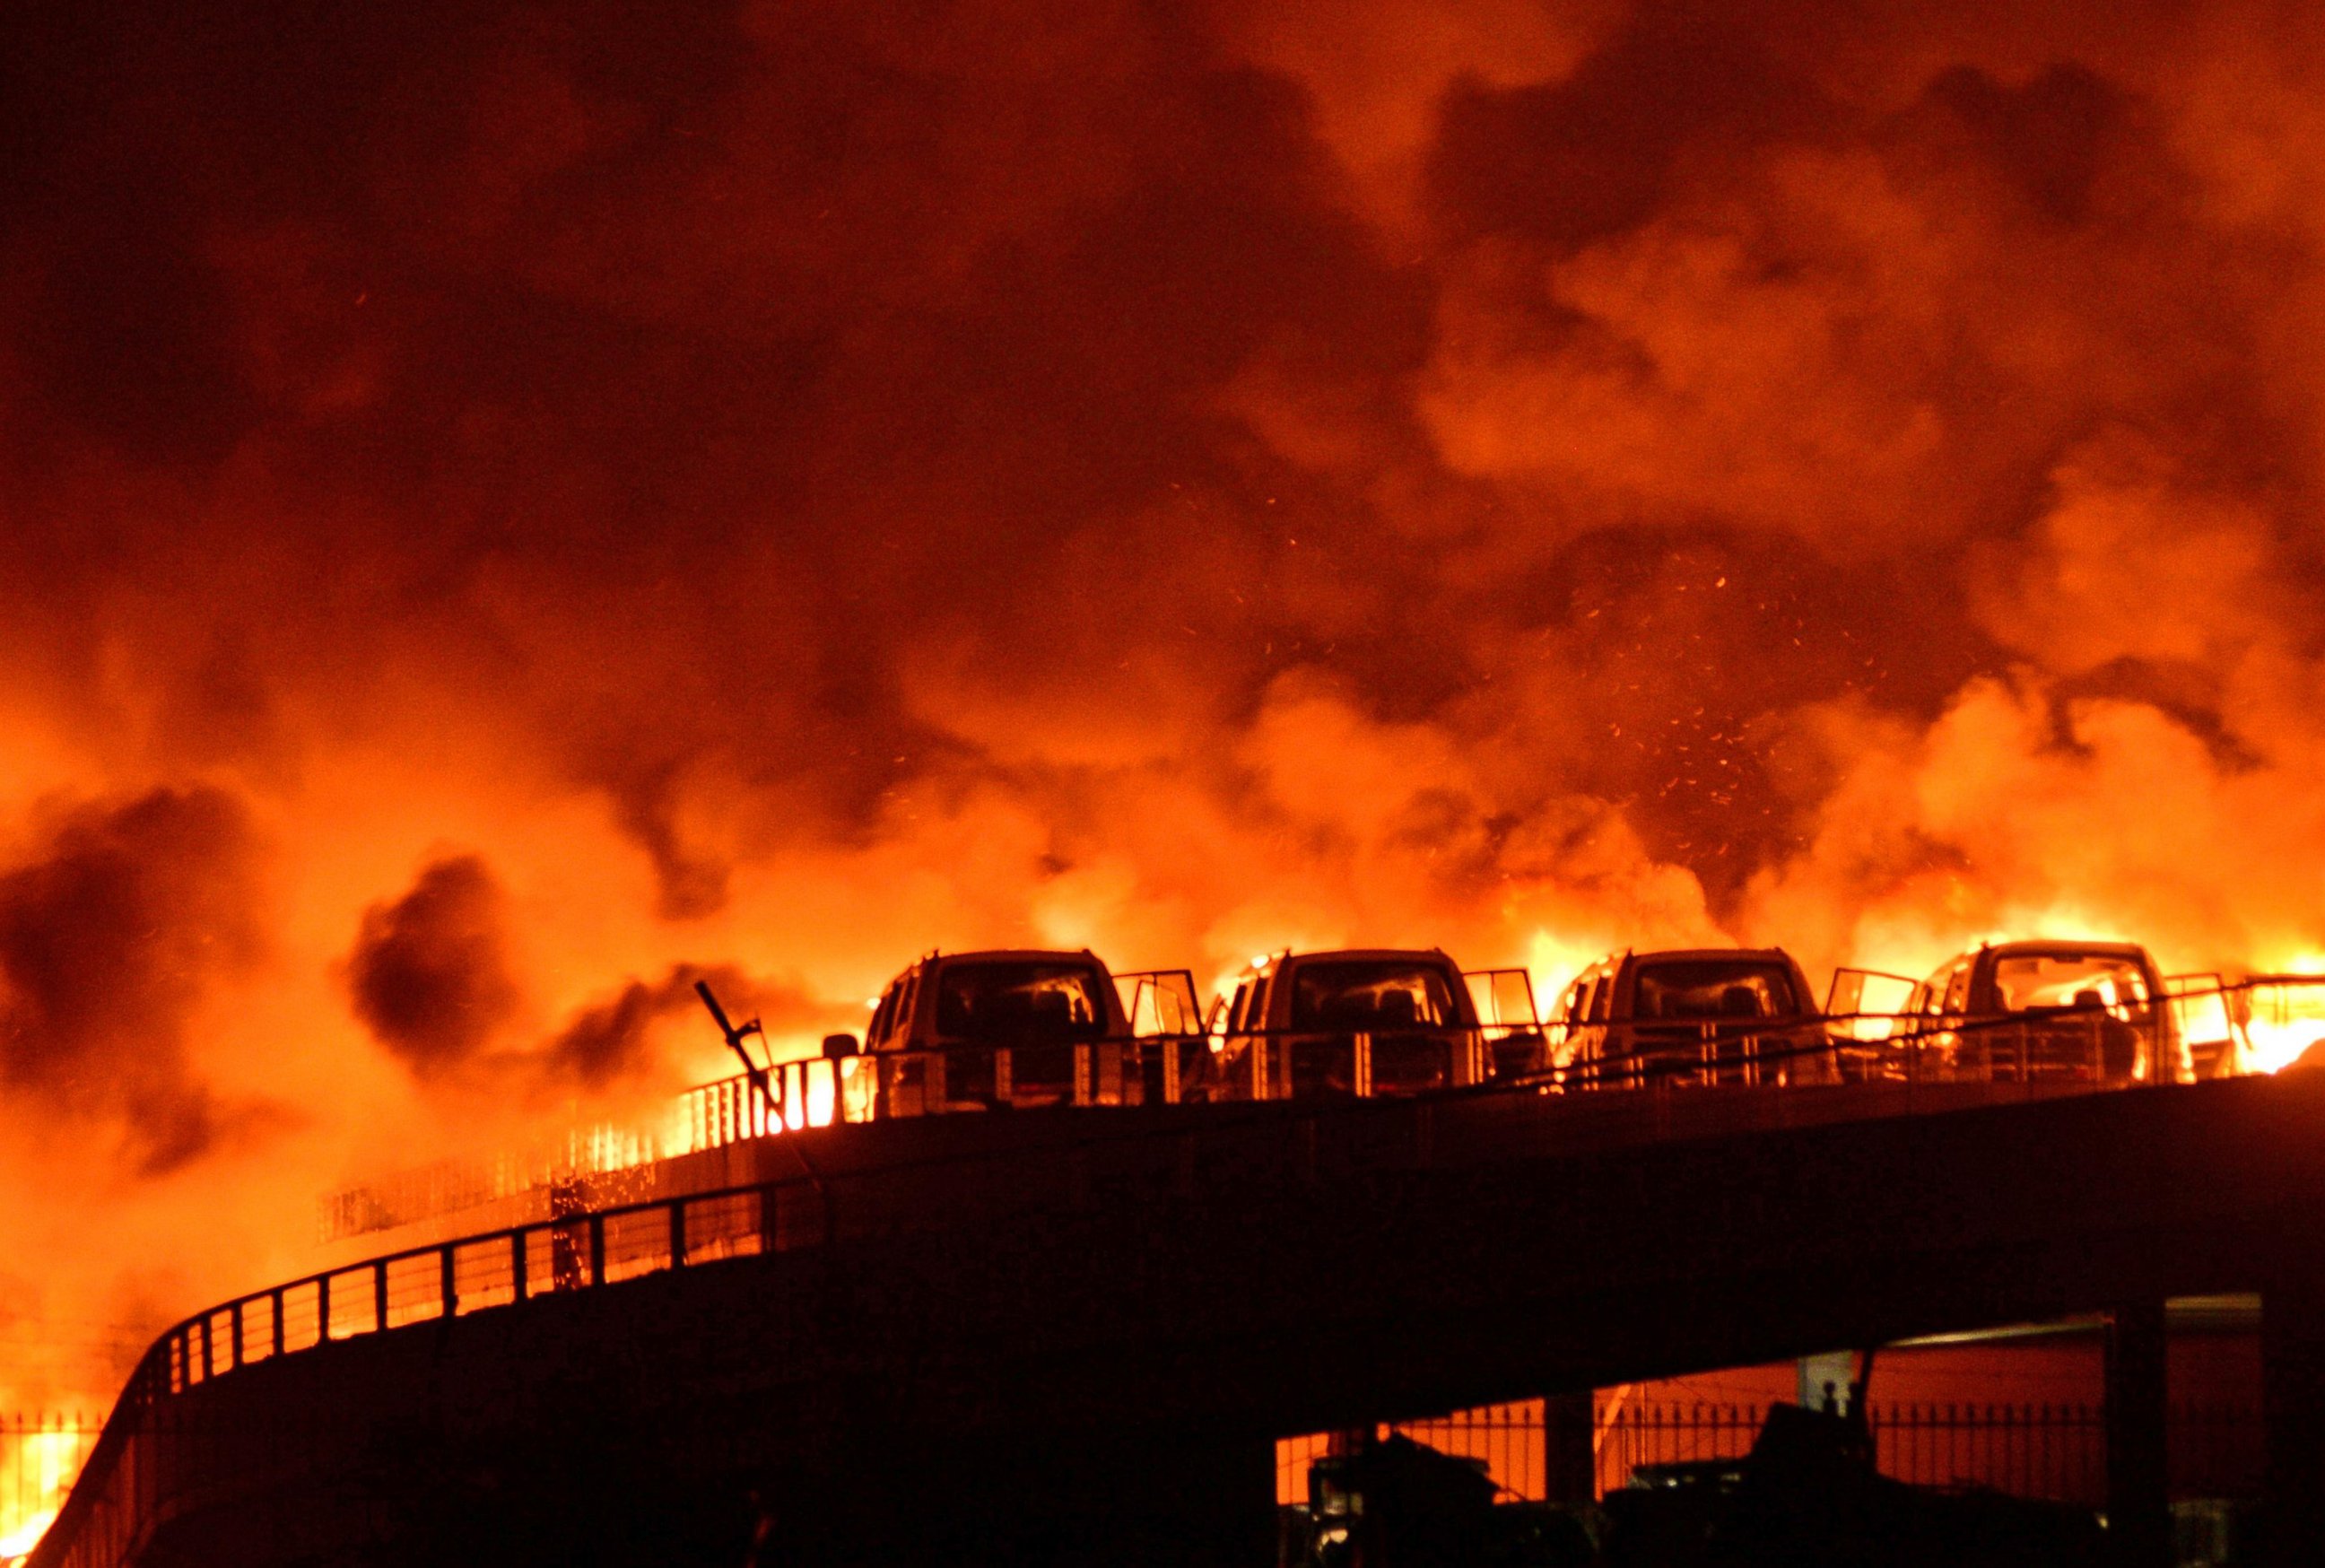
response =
{"points": [[1029, 1028]]}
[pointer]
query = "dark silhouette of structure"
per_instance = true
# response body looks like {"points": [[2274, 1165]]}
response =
{"points": [[1050, 1338]]}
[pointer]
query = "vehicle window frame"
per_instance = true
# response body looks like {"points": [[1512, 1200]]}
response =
{"points": [[1648, 979], [1448, 994], [1096, 986], [2142, 1007]]}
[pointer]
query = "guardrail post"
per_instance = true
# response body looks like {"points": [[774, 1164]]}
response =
{"points": [[322, 1307], [277, 1301], [233, 1332], [597, 1249], [2293, 1405], [2139, 1514], [678, 1233], [209, 1361], [449, 1283], [516, 1262], [379, 1297]]}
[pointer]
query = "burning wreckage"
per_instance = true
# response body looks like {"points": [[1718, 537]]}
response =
{"points": [[1026, 1029], [1029, 1029]]}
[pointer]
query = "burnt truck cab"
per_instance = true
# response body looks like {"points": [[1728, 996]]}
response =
{"points": [[1742, 1016], [984, 1030], [1351, 1023], [1010, 1028], [2094, 1011]]}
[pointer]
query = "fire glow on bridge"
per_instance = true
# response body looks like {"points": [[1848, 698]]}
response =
{"points": [[503, 519]]}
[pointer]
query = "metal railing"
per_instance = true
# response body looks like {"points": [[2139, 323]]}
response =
{"points": [[510, 1267], [2052, 1450], [2063, 1045]]}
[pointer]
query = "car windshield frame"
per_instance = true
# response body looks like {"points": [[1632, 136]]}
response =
{"points": [[1005, 1022], [1769, 981], [1321, 993], [2094, 967]]}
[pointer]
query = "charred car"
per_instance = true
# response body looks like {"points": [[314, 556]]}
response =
{"points": [[1025, 1028], [1738, 1016], [1352, 1023], [2090, 1011]]}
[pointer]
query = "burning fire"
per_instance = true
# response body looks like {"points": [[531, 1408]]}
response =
{"points": [[2284, 1020], [524, 519], [36, 1468]]}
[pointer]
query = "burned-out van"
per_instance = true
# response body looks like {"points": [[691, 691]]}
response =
{"points": [[1741, 1016], [1355, 1022], [2096, 1011], [1024, 1028]]}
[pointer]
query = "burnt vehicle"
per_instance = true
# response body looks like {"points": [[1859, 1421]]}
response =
{"points": [[2023, 1011], [1736, 1015], [1022, 1028], [1353, 1022]]}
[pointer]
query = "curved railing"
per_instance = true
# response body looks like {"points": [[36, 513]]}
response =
{"points": [[115, 1502]]}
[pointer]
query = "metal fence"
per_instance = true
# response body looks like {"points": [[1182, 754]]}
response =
{"points": [[2051, 1450], [2202, 1025], [2056, 1451], [39, 1456], [2059, 1047], [504, 1268]]}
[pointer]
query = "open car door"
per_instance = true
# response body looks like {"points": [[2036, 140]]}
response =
{"points": [[1503, 997], [1160, 1002], [1503, 1000], [2207, 1026], [2279, 1017], [1864, 1004]]}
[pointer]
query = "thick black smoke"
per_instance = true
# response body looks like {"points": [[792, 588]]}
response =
{"points": [[612, 1041], [430, 973], [788, 485], [1195, 471], [123, 921]]}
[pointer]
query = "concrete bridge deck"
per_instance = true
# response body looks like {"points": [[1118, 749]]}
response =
{"points": [[1076, 1330]]}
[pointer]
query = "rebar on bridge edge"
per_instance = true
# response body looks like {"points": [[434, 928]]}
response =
{"points": [[758, 1077]]}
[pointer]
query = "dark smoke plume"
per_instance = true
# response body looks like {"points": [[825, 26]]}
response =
{"points": [[430, 972], [110, 938], [611, 1040]]}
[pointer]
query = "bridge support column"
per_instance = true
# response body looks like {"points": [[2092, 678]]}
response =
{"points": [[2138, 1480], [1570, 1461], [2293, 1405]]}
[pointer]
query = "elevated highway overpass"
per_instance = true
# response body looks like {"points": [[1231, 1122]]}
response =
{"points": [[1060, 1335]]}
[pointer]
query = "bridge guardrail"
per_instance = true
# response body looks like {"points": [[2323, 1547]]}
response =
{"points": [[2120, 1043], [113, 1504]]}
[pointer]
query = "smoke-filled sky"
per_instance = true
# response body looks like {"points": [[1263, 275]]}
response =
{"points": [[507, 506]]}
